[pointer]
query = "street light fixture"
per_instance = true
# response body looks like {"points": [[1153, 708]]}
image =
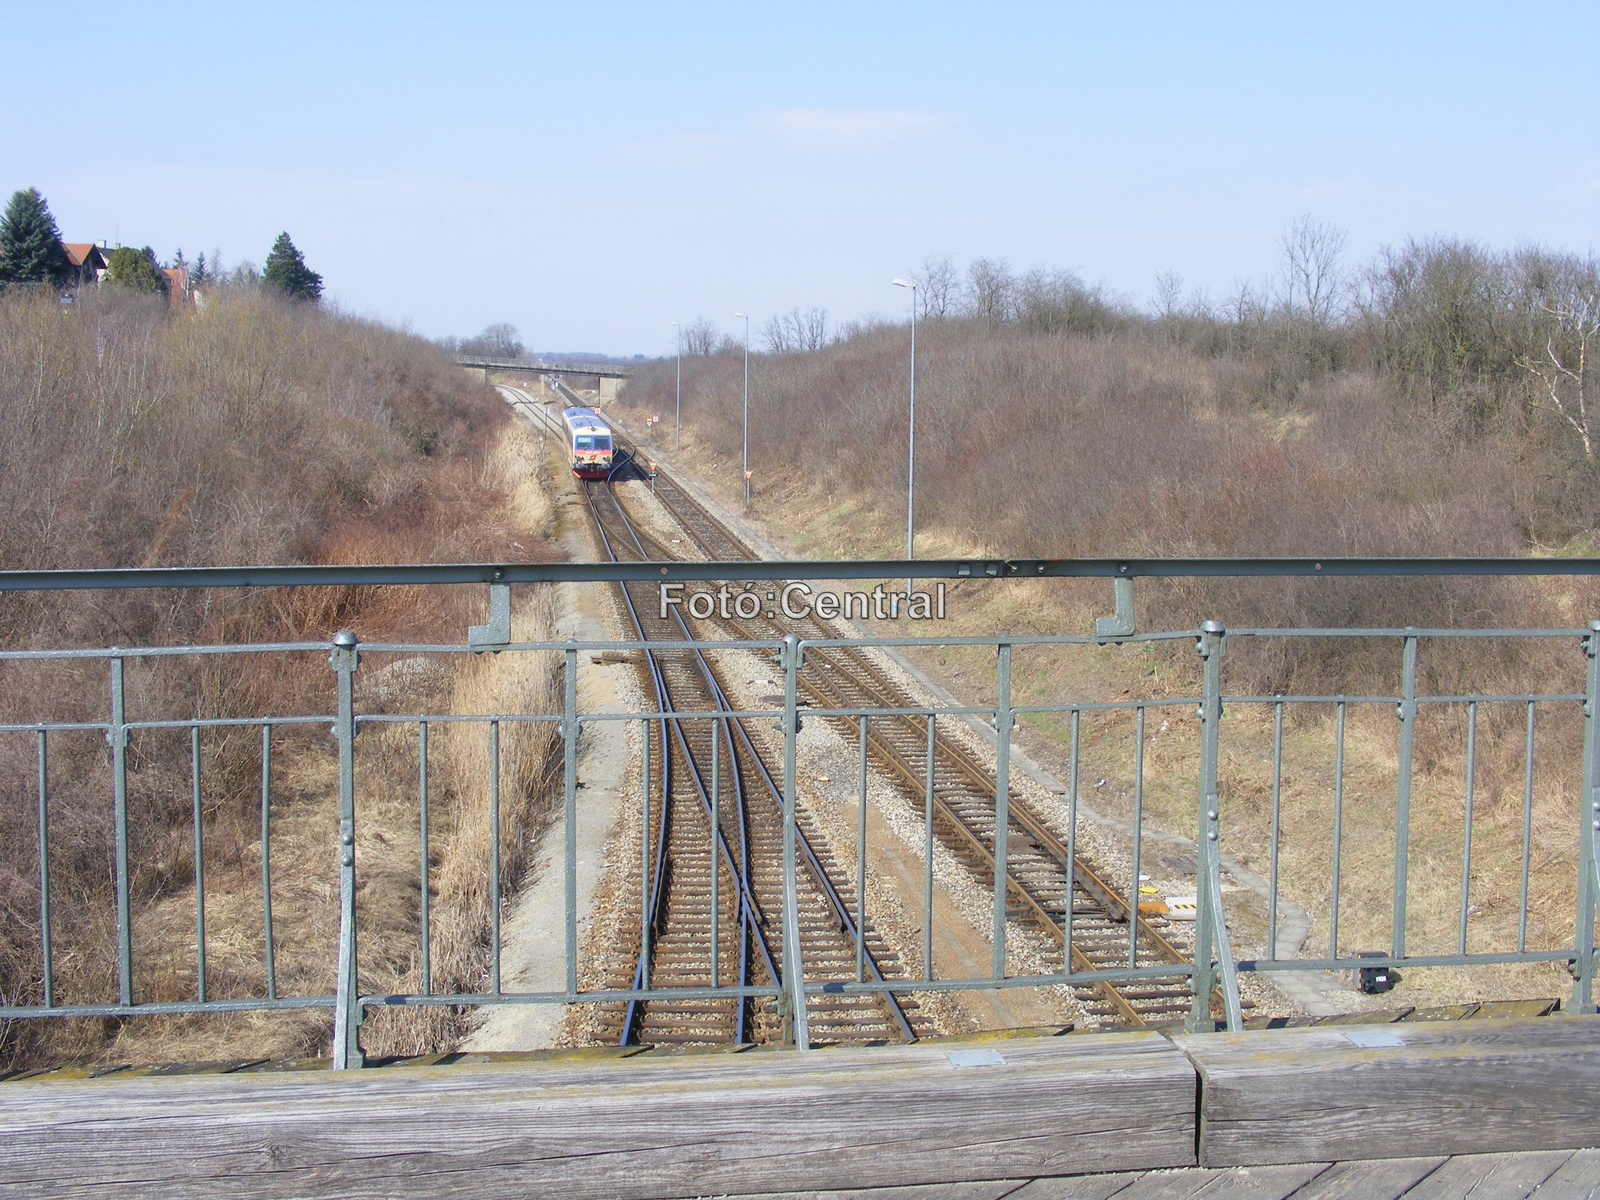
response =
{"points": [[677, 420], [746, 467], [911, 435]]}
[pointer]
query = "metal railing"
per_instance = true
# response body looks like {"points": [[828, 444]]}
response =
{"points": [[604, 370], [1213, 964]]}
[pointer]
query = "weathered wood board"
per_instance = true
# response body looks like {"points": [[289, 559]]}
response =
{"points": [[645, 1127], [1397, 1090]]}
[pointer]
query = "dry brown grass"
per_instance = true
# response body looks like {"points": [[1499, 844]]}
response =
{"points": [[1127, 445], [1069, 446], [247, 432]]}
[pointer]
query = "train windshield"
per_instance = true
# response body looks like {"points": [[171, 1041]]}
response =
{"points": [[586, 441]]}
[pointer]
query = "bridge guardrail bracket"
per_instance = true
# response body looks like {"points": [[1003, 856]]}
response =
{"points": [[1120, 624], [496, 635]]}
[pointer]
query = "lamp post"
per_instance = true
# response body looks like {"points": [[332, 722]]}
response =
{"points": [[911, 436], [746, 466], [677, 420]]}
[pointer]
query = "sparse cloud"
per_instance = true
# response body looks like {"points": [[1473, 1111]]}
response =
{"points": [[849, 128]]}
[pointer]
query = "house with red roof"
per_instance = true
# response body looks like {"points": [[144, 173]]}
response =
{"points": [[178, 288], [89, 259]]}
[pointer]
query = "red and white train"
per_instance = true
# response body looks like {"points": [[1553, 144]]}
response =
{"points": [[588, 442]]}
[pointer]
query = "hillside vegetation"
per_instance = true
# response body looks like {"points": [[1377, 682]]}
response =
{"points": [[1434, 404], [248, 430]]}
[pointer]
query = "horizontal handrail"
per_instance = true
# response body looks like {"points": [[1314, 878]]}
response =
{"points": [[327, 575]]}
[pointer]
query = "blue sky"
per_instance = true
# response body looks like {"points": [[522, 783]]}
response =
{"points": [[591, 172]]}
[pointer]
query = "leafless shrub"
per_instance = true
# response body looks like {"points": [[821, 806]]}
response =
{"points": [[1058, 302], [938, 286], [246, 431], [991, 291], [499, 340], [702, 339], [796, 332], [1059, 445], [1313, 270]]}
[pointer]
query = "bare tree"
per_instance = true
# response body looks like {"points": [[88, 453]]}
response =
{"points": [[1245, 306], [1564, 369], [810, 328], [775, 333], [500, 340], [1169, 295], [1314, 279], [702, 338], [938, 286], [991, 291], [797, 331], [1053, 301]]}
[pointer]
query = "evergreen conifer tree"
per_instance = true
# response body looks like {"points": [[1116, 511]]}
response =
{"points": [[286, 270], [30, 244], [136, 269]]}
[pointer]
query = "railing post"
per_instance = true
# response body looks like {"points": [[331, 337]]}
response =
{"points": [[798, 1033], [1583, 971], [1210, 932], [47, 961], [266, 860], [1002, 807], [1407, 712], [569, 811], [117, 735], [347, 1005]]}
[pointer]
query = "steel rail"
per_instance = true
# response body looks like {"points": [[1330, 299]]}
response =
{"points": [[865, 677], [750, 915], [749, 910], [1015, 887], [755, 760], [1103, 893], [840, 908], [827, 696]]}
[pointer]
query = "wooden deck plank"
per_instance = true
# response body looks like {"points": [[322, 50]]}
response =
{"points": [[993, 1189], [1578, 1179], [1077, 1187], [1372, 1179], [1203, 1183], [642, 1127], [1232, 1183], [1489, 1176], [1479, 1176], [1168, 1185], [1499, 1010], [1439, 1088], [1262, 1183]]}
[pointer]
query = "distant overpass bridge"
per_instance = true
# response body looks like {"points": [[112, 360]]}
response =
{"points": [[607, 376]]}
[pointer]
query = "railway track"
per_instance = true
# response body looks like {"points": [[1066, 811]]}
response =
{"points": [[1086, 921], [1095, 926], [709, 776]]}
